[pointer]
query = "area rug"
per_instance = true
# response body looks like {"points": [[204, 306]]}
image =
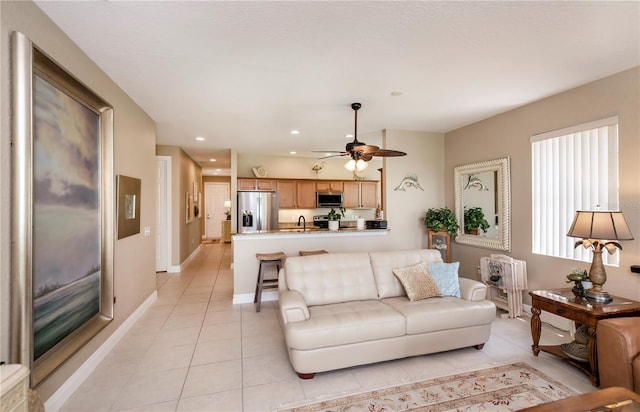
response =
{"points": [[501, 388]]}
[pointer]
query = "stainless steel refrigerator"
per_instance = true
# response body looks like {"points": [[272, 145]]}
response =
{"points": [[257, 210]]}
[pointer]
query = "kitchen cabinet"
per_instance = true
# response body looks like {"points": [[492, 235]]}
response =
{"points": [[296, 194], [256, 184], [360, 195], [329, 185]]}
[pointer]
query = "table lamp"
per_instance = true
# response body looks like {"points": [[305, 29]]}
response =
{"points": [[227, 205], [599, 230]]}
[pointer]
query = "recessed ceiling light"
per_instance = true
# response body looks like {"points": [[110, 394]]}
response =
{"points": [[396, 93], [328, 154], [292, 152], [348, 136], [199, 138], [218, 170], [295, 132], [212, 160]]}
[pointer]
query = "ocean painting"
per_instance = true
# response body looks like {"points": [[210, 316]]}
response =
{"points": [[67, 249]]}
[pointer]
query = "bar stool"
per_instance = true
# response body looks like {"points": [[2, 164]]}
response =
{"points": [[267, 260], [311, 252]]}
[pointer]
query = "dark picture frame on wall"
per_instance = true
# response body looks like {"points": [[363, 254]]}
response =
{"points": [[128, 211], [62, 218], [441, 241]]}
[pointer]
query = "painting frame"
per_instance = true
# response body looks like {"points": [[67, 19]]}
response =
{"points": [[34, 72], [188, 207], [128, 210], [440, 241]]}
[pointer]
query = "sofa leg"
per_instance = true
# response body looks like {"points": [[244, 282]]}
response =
{"points": [[306, 375], [479, 347]]}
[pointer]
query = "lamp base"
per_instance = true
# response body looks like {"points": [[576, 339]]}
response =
{"points": [[598, 296]]}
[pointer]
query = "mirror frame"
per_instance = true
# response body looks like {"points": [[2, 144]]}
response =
{"points": [[503, 191]]}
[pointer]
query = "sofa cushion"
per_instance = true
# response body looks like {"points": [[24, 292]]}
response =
{"points": [[331, 278], [446, 276], [383, 264], [417, 282], [345, 323], [437, 314]]}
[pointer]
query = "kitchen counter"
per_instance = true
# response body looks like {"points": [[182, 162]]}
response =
{"points": [[246, 245]]}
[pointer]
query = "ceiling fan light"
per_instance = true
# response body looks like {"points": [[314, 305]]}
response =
{"points": [[350, 165], [361, 165]]}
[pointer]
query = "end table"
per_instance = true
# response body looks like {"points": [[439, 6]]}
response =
{"points": [[564, 303]]}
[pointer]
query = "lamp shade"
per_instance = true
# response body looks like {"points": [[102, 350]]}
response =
{"points": [[227, 203], [604, 225]]}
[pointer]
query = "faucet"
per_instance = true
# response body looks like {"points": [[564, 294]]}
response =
{"points": [[304, 223]]}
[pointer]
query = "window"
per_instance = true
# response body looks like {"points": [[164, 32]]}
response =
{"points": [[572, 169]]}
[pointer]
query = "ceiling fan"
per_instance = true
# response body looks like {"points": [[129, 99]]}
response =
{"points": [[360, 152]]}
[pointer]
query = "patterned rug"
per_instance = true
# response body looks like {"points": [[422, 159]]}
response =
{"points": [[502, 388]]}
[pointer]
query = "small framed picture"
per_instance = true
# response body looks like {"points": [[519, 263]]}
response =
{"points": [[440, 241]]}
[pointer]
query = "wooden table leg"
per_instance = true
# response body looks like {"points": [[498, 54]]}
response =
{"points": [[536, 327], [592, 346]]}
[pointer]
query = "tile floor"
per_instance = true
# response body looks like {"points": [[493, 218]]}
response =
{"points": [[195, 351]]}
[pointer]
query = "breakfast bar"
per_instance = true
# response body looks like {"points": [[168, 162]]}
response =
{"points": [[291, 241]]}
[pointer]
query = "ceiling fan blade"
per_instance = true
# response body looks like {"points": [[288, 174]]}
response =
{"points": [[340, 154], [366, 156], [328, 151], [387, 153], [367, 148]]}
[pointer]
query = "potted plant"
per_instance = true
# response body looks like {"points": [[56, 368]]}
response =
{"points": [[334, 218], [474, 219], [442, 220]]}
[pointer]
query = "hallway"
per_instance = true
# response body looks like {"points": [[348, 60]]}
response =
{"points": [[195, 351]]}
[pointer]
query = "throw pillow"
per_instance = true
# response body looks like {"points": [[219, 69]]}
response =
{"points": [[446, 277], [417, 282]]}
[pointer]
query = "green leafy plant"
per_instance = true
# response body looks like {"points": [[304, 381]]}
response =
{"points": [[442, 219], [474, 219], [335, 214]]}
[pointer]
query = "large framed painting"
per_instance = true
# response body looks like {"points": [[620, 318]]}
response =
{"points": [[62, 218]]}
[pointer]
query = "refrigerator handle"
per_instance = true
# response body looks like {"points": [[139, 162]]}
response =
{"points": [[259, 215]]}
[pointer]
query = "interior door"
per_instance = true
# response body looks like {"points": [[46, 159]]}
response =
{"points": [[215, 193], [163, 207]]}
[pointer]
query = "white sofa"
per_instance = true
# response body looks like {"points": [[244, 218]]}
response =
{"points": [[345, 309]]}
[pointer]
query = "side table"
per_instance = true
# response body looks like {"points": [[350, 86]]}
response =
{"points": [[564, 303]]}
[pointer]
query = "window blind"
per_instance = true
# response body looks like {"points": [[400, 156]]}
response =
{"points": [[572, 169]]}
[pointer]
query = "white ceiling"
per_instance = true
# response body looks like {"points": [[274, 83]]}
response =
{"points": [[243, 74]]}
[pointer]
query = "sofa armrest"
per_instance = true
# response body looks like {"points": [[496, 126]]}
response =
{"points": [[618, 349], [472, 289], [292, 306]]}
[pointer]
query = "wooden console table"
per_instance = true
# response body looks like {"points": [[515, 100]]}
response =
{"points": [[564, 303]]}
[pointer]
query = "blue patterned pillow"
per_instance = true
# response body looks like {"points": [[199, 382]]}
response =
{"points": [[446, 277]]}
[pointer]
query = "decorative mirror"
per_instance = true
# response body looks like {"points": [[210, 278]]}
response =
{"points": [[483, 196]]}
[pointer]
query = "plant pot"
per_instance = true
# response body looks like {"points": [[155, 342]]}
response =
{"points": [[473, 231], [334, 225]]}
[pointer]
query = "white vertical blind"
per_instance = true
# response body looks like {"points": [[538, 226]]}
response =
{"points": [[572, 169]]}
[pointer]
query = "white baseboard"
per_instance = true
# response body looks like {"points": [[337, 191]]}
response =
{"points": [[248, 297], [179, 268], [55, 401]]}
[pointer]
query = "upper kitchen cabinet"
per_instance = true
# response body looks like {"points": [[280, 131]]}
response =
{"points": [[360, 195], [256, 184], [329, 186], [296, 194]]}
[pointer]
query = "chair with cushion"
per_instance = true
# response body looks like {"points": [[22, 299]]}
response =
{"points": [[619, 352]]}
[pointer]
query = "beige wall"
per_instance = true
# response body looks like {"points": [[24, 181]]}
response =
{"points": [[508, 135], [184, 172], [134, 155], [405, 210]]}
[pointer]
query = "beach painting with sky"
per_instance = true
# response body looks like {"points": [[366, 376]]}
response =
{"points": [[67, 250]]}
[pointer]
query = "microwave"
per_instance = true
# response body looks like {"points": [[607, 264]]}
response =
{"points": [[328, 199]]}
